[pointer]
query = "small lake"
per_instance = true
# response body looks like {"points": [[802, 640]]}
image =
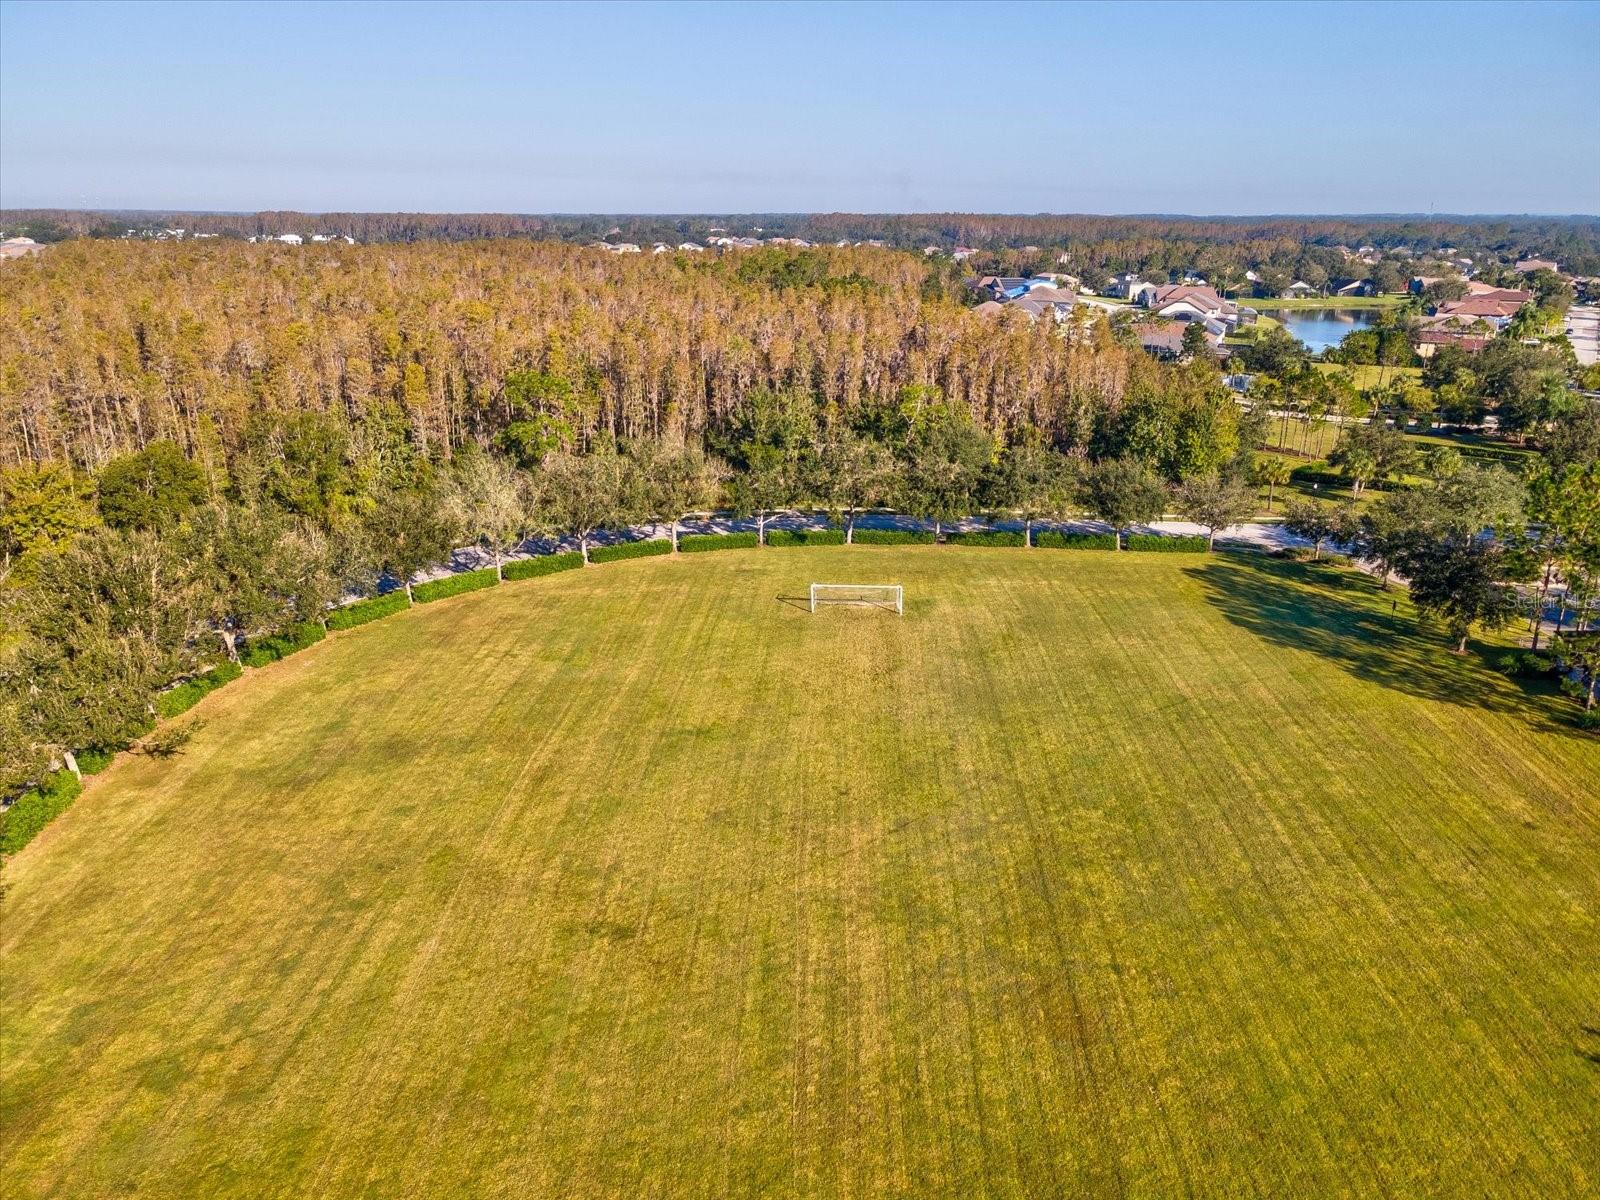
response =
{"points": [[1320, 328]]}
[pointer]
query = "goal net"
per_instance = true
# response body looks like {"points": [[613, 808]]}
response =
{"points": [[868, 595]]}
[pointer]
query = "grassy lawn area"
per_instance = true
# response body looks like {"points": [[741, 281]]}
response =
{"points": [[1386, 301], [1094, 874], [1366, 375], [1307, 444]]}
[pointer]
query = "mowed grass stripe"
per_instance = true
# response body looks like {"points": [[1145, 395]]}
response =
{"points": [[1093, 874]]}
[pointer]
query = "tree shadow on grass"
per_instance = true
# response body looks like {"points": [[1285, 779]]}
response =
{"points": [[1343, 616]]}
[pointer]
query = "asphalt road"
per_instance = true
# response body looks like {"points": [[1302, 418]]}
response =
{"points": [[1583, 331]]}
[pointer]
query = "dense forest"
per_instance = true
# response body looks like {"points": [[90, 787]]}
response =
{"points": [[109, 346]]}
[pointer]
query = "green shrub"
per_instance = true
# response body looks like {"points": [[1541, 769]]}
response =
{"points": [[1526, 664], [697, 543], [1589, 719], [94, 760], [36, 808], [363, 611], [1050, 539], [806, 537], [454, 585], [186, 695], [893, 537], [622, 550], [281, 645], [1162, 543], [994, 537], [544, 564]]}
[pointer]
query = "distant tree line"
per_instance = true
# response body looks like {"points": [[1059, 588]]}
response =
{"points": [[1150, 244]]}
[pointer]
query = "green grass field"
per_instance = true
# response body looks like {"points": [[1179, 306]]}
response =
{"points": [[1387, 300], [1366, 375], [1094, 874]]}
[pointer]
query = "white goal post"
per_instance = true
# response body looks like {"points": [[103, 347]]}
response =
{"points": [[872, 595]]}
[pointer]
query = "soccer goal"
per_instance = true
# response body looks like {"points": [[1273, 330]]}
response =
{"points": [[868, 595]]}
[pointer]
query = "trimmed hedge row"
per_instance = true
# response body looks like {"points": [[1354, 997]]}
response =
{"points": [[993, 537], [544, 564], [36, 808], [190, 692], [454, 585], [290, 641], [805, 537], [1335, 480], [1160, 542], [893, 537], [363, 611], [1051, 539], [697, 543], [623, 550]]}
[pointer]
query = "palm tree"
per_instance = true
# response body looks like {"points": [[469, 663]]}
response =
{"points": [[1272, 473]]}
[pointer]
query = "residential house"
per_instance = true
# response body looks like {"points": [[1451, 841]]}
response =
{"points": [[1191, 302], [1125, 286], [1353, 287], [962, 253], [999, 287], [1058, 301], [1486, 291], [19, 247], [1429, 341], [1529, 265], [1034, 297], [289, 239], [1298, 289], [1497, 312], [691, 247], [1164, 339]]}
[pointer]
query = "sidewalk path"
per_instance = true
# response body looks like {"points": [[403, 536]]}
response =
{"points": [[1261, 535]]}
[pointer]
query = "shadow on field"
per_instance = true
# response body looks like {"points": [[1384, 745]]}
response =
{"points": [[1592, 1033], [1343, 616]]}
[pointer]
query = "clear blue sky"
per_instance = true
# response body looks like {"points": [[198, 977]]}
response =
{"points": [[1197, 108]]}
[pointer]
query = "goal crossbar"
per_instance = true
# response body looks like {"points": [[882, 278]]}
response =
{"points": [[872, 595]]}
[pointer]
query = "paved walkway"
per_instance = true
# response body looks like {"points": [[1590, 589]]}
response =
{"points": [[1261, 535]]}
